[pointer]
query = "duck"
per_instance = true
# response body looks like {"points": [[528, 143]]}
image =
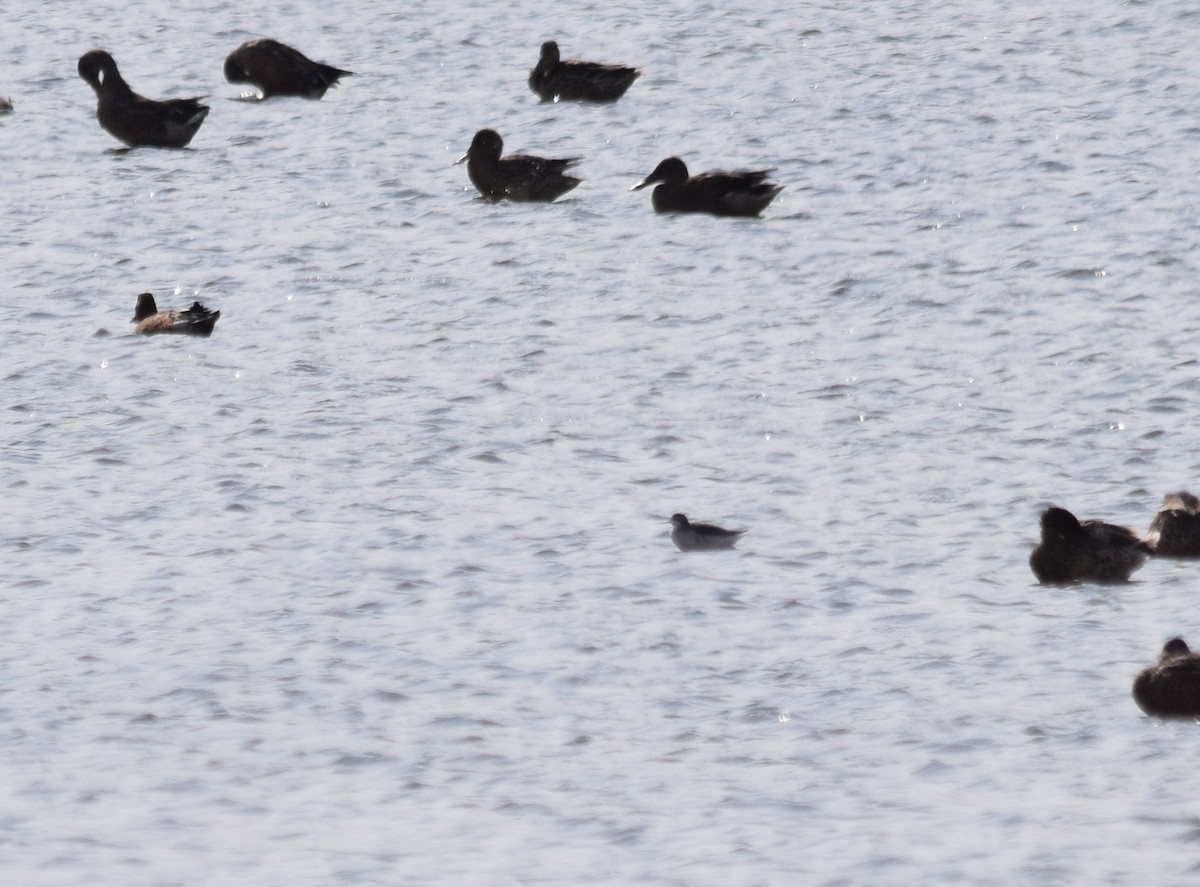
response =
{"points": [[133, 119], [1176, 528], [6, 105], [743, 193], [1170, 689], [554, 79], [277, 69], [688, 536], [517, 176], [195, 321], [1071, 551]]}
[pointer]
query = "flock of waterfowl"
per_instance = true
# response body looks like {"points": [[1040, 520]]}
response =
{"points": [[1075, 551], [1069, 551], [1094, 551], [276, 69], [279, 70], [523, 177]]}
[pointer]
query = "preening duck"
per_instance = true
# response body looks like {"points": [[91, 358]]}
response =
{"points": [[134, 119], [277, 69]]}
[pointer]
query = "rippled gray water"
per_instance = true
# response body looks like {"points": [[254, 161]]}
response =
{"points": [[374, 586]]}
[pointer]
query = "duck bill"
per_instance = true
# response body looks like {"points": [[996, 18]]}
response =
{"points": [[463, 159], [649, 180]]}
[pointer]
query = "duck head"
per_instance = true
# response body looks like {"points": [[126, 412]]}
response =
{"points": [[486, 145], [99, 70], [671, 171], [146, 307], [1174, 647], [1060, 523]]}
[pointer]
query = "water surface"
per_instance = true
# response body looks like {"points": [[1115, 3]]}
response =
{"points": [[374, 586]]}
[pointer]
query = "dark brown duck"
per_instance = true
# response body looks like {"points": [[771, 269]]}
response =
{"points": [[134, 119], [194, 321], [517, 176], [554, 79], [1176, 528], [719, 193], [277, 69], [1170, 689], [1071, 551]]}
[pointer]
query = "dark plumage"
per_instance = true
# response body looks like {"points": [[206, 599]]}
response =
{"points": [[738, 193], [1176, 528], [1170, 689], [701, 537], [6, 105], [517, 176], [194, 321], [1071, 551], [133, 119], [555, 79], [277, 69]]}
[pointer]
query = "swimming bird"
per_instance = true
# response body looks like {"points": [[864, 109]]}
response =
{"points": [[738, 193], [517, 176], [701, 537], [6, 105], [1176, 527], [277, 69], [194, 321], [1170, 689], [133, 119], [554, 79], [1092, 550]]}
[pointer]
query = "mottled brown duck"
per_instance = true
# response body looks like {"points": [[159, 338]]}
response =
{"points": [[194, 321]]}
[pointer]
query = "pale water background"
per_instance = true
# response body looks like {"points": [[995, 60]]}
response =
{"points": [[374, 586]]}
